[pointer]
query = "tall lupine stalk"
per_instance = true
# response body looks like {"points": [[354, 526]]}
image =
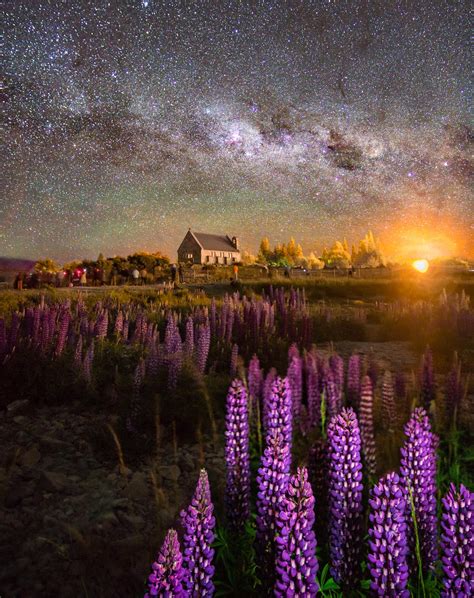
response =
{"points": [[296, 562], [198, 524], [387, 555], [189, 338], [62, 332], [279, 412], [336, 363], [427, 380], [318, 477], [203, 344], [255, 382], [454, 389], [295, 378], [237, 494], [345, 498], [331, 394], [136, 406], [457, 543], [314, 396], [272, 481], [366, 418], [166, 580], [118, 325], [418, 475], [353, 381], [267, 391], [78, 353], [233, 359], [389, 412], [87, 363]]}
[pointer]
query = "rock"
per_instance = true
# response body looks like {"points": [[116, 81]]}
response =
{"points": [[134, 521], [170, 472], [187, 462], [17, 492], [19, 419], [51, 481], [137, 488], [17, 407], [50, 442], [130, 543], [30, 458], [107, 520]]}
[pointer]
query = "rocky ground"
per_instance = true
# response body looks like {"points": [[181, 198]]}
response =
{"points": [[74, 523]]}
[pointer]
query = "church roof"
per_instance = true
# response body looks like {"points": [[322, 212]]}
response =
{"points": [[214, 242]]}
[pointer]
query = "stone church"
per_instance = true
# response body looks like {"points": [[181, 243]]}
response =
{"points": [[204, 248]]}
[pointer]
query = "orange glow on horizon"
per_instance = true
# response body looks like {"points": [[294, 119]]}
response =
{"points": [[421, 265], [428, 234]]}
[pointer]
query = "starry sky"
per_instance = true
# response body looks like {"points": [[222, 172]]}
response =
{"points": [[128, 121]]}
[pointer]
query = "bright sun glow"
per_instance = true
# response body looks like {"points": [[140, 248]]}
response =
{"points": [[421, 265]]}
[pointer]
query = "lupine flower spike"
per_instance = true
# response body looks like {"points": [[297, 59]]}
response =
{"points": [[198, 523], [166, 579], [387, 556], [296, 563], [237, 494], [345, 498]]}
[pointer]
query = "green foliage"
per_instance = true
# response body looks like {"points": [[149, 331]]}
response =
{"points": [[236, 569]]}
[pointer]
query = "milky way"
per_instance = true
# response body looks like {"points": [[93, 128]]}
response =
{"points": [[127, 122]]}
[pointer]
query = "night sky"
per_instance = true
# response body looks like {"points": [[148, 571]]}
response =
{"points": [[129, 121]]}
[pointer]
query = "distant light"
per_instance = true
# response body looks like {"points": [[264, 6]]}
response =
{"points": [[421, 265]]}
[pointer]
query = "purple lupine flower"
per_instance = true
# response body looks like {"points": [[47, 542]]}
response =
{"points": [[314, 396], [272, 481], [118, 326], [189, 338], [237, 494], [102, 325], [78, 353], [318, 477], [203, 344], [336, 363], [457, 543], [353, 381], [296, 562], [255, 381], [126, 327], [366, 418], [331, 394], [345, 498], [152, 359], [427, 380], [295, 379], [198, 524], [454, 389], [87, 363], [63, 330], [167, 577], [387, 555], [418, 475], [267, 390], [279, 409], [389, 412], [233, 359]]}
